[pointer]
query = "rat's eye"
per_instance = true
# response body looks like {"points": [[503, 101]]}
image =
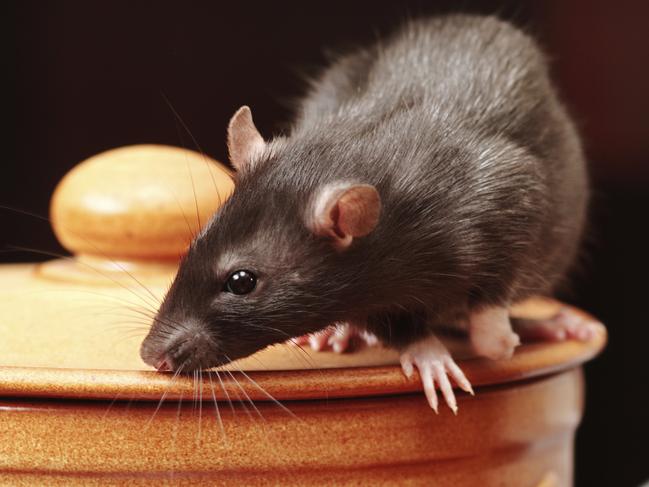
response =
{"points": [[240, 282]]}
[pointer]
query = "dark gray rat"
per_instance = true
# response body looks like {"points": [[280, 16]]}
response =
{"points": [[433, 178]]}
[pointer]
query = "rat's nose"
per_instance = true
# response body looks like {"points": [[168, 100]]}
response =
{"points": [[183, 349], [163, 365]]}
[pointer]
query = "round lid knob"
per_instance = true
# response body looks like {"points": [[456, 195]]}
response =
{"points": [[141, 202]]}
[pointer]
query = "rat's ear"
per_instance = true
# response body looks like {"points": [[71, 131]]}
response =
{"points": [[244, 140], [344, 211]]}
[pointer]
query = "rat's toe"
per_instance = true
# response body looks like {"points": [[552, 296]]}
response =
{"points": [[495, 346], [445, 386], [428, 381], [339, 338], [318, 341], [458, 376], [435, 366], [491, 333], [406, 365], [301, 340], [567, 324], [434, 375]]}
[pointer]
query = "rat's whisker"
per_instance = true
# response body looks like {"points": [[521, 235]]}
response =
{"points": [[150, 315], [239, 397], [256, 359], [244, 391], [268, 395], [182, 212], [266, 327], [126, 338], [174, 435], [129, 402], [216, 406], [94, 269], [303, 355], [131, 325], [110, 405], [225, 392], [111, 297], [200, 406], [120, 312], [195, 142], [126, 330], [191, 178], [164, 394], [97, 249], [306, 359], [193, 392]]}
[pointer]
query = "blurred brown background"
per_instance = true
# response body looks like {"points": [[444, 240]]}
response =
{"points": [[89, 76]]}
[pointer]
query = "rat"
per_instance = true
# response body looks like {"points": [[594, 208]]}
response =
{"points": [[433, 178]]}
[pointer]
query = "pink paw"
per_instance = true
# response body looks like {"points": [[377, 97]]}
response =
{"points": [[435, 366], [337, 338], [491, 334], [567, 324], [495, 346]]}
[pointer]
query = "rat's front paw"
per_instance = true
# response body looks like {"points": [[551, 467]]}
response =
{"points": [[336, 337], [435, 365]]}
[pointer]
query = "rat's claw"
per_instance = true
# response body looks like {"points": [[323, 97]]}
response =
{"points": [[406, 365], [458, 376], [445, 386], [426, 374], [369, 338], [435, 364]]}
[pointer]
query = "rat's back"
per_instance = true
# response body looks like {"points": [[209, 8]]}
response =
{"points": [[473, 72], [456, 118]]}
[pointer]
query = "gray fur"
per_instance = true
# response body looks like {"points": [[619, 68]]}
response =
{"points": [[482, 182]]}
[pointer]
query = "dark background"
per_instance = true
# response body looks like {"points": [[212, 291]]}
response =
{"points": [[90, 76]]}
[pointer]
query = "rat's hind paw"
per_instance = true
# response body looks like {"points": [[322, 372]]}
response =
{"points": [[337, 338], [565, 325], [491, 333], [435, 365]]}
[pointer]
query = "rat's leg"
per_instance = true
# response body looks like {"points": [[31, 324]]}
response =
{"points": [[338, 337], [565, 325], [491, 334], [435, 365]]}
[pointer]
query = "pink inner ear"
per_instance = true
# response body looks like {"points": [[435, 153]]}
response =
{"points": [[334, 216], [344, 212], [358, 211], [244, 140]]}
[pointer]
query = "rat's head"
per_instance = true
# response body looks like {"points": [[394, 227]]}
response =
{"points": [[274, 262]]}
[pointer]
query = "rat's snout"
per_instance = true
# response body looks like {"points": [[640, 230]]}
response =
{"points": [[181, 349]]}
